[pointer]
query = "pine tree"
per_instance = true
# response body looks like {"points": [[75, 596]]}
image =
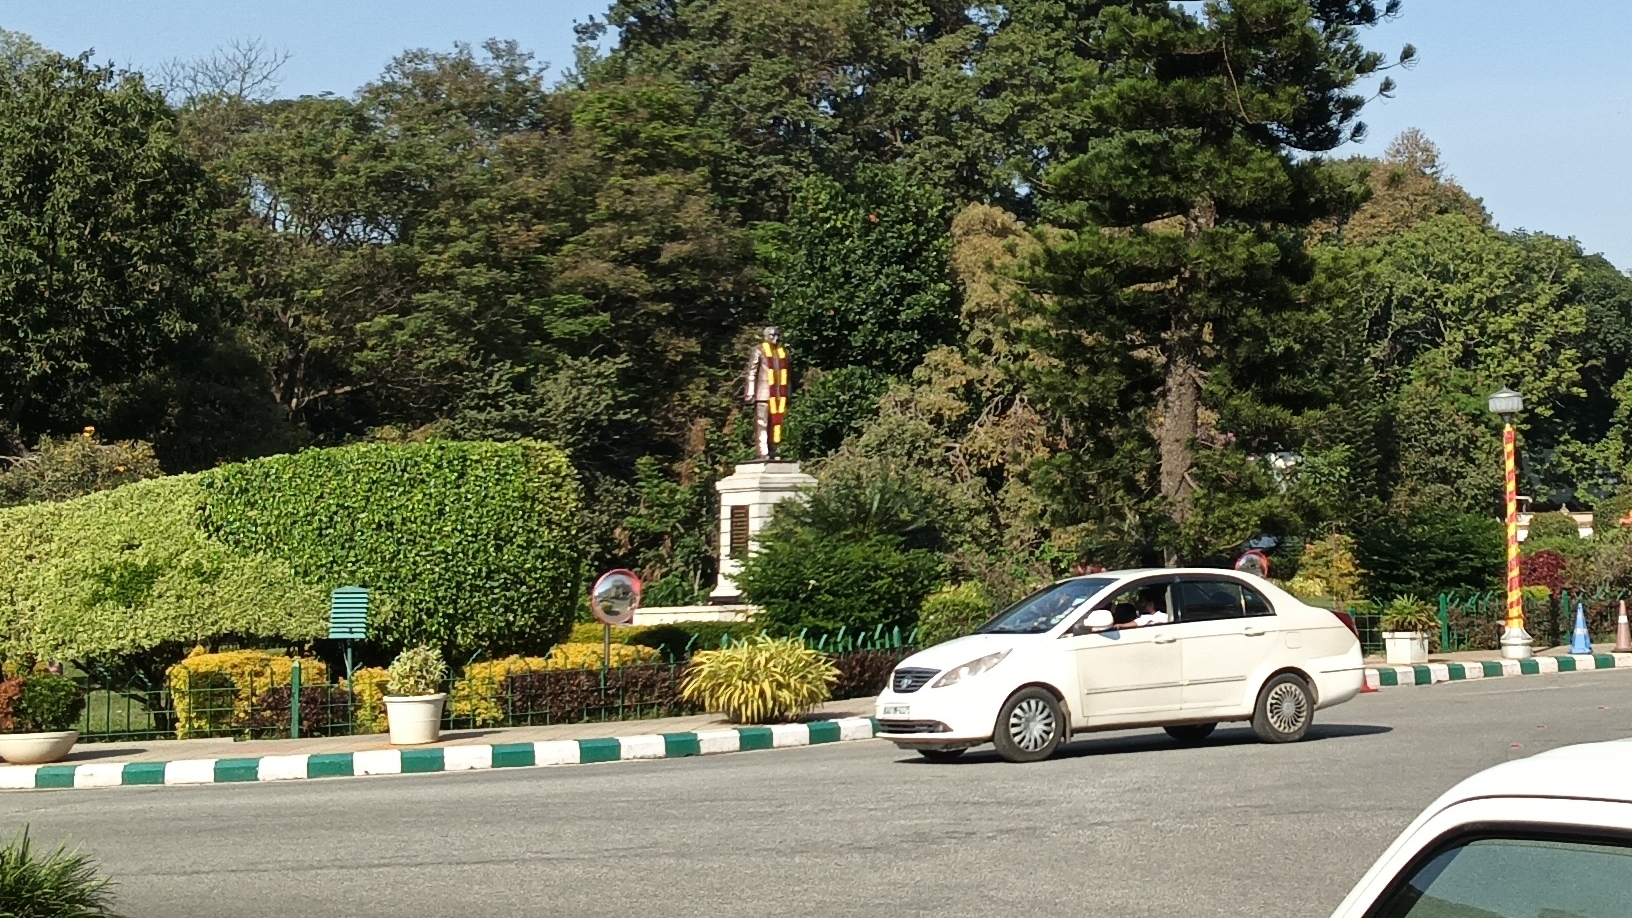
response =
{"points": [[1186, 215]]}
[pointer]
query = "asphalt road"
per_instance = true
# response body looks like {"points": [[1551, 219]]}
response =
{"points": [[1126, 825]]}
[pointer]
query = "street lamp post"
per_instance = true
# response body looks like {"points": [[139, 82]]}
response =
{"points": [[1516, 642]]}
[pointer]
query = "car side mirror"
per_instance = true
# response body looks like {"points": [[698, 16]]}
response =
{"points": [[1097, 620]]}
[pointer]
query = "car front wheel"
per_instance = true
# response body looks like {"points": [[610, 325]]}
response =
{"points": [[1285, 710], [1029, 727]]}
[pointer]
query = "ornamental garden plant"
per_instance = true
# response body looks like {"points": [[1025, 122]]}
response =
{"points": [[414, 696], [58, 883], [38, 715], [765, 680]]}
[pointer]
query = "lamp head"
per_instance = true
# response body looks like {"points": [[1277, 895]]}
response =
{"points": [[1506, 402]]}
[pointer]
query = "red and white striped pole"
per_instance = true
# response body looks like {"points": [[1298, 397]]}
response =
{"points": [[1516, 642]]}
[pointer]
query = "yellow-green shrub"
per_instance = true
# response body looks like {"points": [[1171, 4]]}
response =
{"points": [[952, 612], [368, 699], [671, 641], [476, 544], [591, 633], [1304, 586], [588, 656], [476, 695], [195, 682], [129, 571], [764, 680]]}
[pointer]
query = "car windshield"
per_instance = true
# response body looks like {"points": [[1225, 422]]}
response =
{"points": [[1045, 608]]}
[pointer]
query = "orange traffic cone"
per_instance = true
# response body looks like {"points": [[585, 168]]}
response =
{"points": [[1623, 633], [1365, 684]]}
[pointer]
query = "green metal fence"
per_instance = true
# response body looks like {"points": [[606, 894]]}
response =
{"points": [[1476, 621], [263, 705]]}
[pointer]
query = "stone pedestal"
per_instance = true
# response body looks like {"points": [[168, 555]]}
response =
{"points": [[746, 499]]}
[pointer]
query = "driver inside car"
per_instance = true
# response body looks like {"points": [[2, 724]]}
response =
{"points": [[1150, 610]]}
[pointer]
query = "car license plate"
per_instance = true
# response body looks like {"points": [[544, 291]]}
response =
{"points": [[896, 710]]}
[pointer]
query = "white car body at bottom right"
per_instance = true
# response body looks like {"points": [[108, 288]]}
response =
{"points": [[1549, 835]]}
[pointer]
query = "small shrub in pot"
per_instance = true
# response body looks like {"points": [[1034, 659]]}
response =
{"points": [[416, 671], [38, 714], [413, 696], [1409, 613], [1408, 624]]}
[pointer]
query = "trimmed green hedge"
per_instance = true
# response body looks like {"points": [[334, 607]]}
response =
{"points": [[468, 546], [123, 571], [476, 545], [806, 579]]}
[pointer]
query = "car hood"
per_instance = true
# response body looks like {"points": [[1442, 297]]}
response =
{"points": [[959, 651]]}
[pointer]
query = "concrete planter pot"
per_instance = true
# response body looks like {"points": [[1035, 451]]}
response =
{"points": [[414, 720], [1405, 648], [36, 748]]}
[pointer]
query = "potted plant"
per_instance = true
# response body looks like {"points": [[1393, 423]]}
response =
{"points": [[413, 700], [37, 714], [1406, 623]]}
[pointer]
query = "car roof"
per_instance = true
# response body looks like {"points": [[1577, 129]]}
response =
{"points": [[1589, 771], [1161, 571]]}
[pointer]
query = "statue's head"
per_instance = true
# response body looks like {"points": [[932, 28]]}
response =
{"points": [[773, 334]]}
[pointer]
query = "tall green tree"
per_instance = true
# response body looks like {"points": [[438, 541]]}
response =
{"points": [[962, 97], [1186, 216], [859, 277], [103, 226]]}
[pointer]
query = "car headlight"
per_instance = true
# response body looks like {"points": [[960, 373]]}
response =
{"points": [[973, 668]]}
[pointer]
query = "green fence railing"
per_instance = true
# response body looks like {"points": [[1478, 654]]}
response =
{"points": [[264, 706], [1475, 621]]}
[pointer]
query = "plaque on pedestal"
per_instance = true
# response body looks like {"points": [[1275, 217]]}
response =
{"points": [[746, 499]]}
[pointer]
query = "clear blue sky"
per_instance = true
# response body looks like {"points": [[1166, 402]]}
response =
{"points": [[1528, 100]]}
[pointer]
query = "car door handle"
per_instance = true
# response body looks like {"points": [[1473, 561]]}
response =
{"points": [[1163, 639], [1250, 631]]}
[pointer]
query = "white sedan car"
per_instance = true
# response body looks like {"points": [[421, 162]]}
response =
{"points": [[1550, 835], [1183, 649]]}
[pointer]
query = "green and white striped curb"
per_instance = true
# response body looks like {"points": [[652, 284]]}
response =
{"points": [[1431, 673], [426, 760]]}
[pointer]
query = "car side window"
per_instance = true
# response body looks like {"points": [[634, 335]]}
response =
{"points": [[1142, 604], [1516, 876], [1208, 600], [1255, 603]]}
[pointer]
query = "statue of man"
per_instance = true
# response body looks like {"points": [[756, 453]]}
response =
{"points": [[768, 391]]}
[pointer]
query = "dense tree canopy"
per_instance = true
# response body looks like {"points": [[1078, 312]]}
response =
{"points": [[1082, 282]]}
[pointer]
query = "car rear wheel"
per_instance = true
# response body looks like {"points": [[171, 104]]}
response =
{"points": [[1285, 710], [1190, 733], [1029, 727], [941, 755]]}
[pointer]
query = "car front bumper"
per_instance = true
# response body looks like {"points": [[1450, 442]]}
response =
{"points": [[953, 717]]}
